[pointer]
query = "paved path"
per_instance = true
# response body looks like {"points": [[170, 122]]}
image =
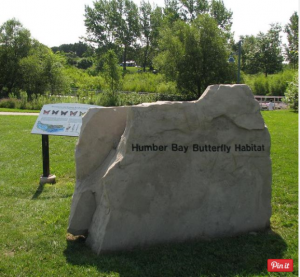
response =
{"points": [[13, 113]]}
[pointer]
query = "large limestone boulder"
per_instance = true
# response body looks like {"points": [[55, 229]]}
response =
{"points": [[172, 171]]}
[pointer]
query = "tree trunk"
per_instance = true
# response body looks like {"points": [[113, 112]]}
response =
{"points": [[124, 58], [145, 56]]}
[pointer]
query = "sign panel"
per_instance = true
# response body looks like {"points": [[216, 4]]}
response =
{"points": [[61, 119]]}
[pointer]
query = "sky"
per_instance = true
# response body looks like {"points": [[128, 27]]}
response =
{"points": [[59, 22]]}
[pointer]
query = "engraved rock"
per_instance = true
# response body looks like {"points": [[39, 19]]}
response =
{"points": [[172, 171]]}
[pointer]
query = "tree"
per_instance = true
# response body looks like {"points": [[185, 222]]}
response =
{"points": [[263, 52], [26, 64], [291, 29], [42, 71], [57, 81], [84, 63], [113, 22], [145, 24], [269, 50], [150, 21], [171, 12], [222, 16], [194, 55], [32, 70], [80, 49], [190, 9], [291, 95], [15, 44], [250, 53], [111, 71]]}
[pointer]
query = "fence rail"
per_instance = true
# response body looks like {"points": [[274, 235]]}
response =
{"points": [[265, 100]]}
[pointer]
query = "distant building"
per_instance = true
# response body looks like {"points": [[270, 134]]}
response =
{"points": [[129, 63]]}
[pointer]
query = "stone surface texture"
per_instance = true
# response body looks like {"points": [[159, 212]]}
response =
{"points": [[126, 198]]}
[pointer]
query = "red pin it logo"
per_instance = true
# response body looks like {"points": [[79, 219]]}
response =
{"points": [[280, 265]]}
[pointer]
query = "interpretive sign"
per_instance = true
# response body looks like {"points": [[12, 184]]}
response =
{"points": [[61, 119]]}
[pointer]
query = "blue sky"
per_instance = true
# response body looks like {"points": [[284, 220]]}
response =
{"points": [[57, 22]]}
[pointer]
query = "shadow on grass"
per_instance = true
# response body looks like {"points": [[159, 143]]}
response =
{"points": [[38, 192], [245, 255], [51, 194]]}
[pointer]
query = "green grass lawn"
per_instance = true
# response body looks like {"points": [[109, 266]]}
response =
{"points": [[33, 238]]}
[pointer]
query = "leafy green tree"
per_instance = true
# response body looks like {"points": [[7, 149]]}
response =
{"points": [[156, 20], [171, 12], [263, 53], [291, 95], [58, 82], [194, 55], [32, 70], [150, 21], [269, 50], [222, 15], [127, 30], [190, 9], [84, 63], [113, 22], [77, 54], [80, 49], [15, 44], [145, 24], [42, 71], [292, 31], [249, 55], [112, 73]]}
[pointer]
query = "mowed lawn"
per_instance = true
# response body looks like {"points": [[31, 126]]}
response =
{"points": [[33, 218]]}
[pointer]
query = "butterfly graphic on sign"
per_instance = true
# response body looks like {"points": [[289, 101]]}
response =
{"points": [[62, 119], [73, 113]]}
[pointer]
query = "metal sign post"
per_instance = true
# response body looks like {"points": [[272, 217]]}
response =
{"points": [[46, 177], [45, 150], [231, 60]]}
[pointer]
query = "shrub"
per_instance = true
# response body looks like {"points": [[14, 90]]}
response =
{"points": [[23, 99], [128, 99], [112, 72], [143, 82], [275, 84], [291, 95], [167, 88], [279, 82], [108, 99], [261, 85], [9, 103]]}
